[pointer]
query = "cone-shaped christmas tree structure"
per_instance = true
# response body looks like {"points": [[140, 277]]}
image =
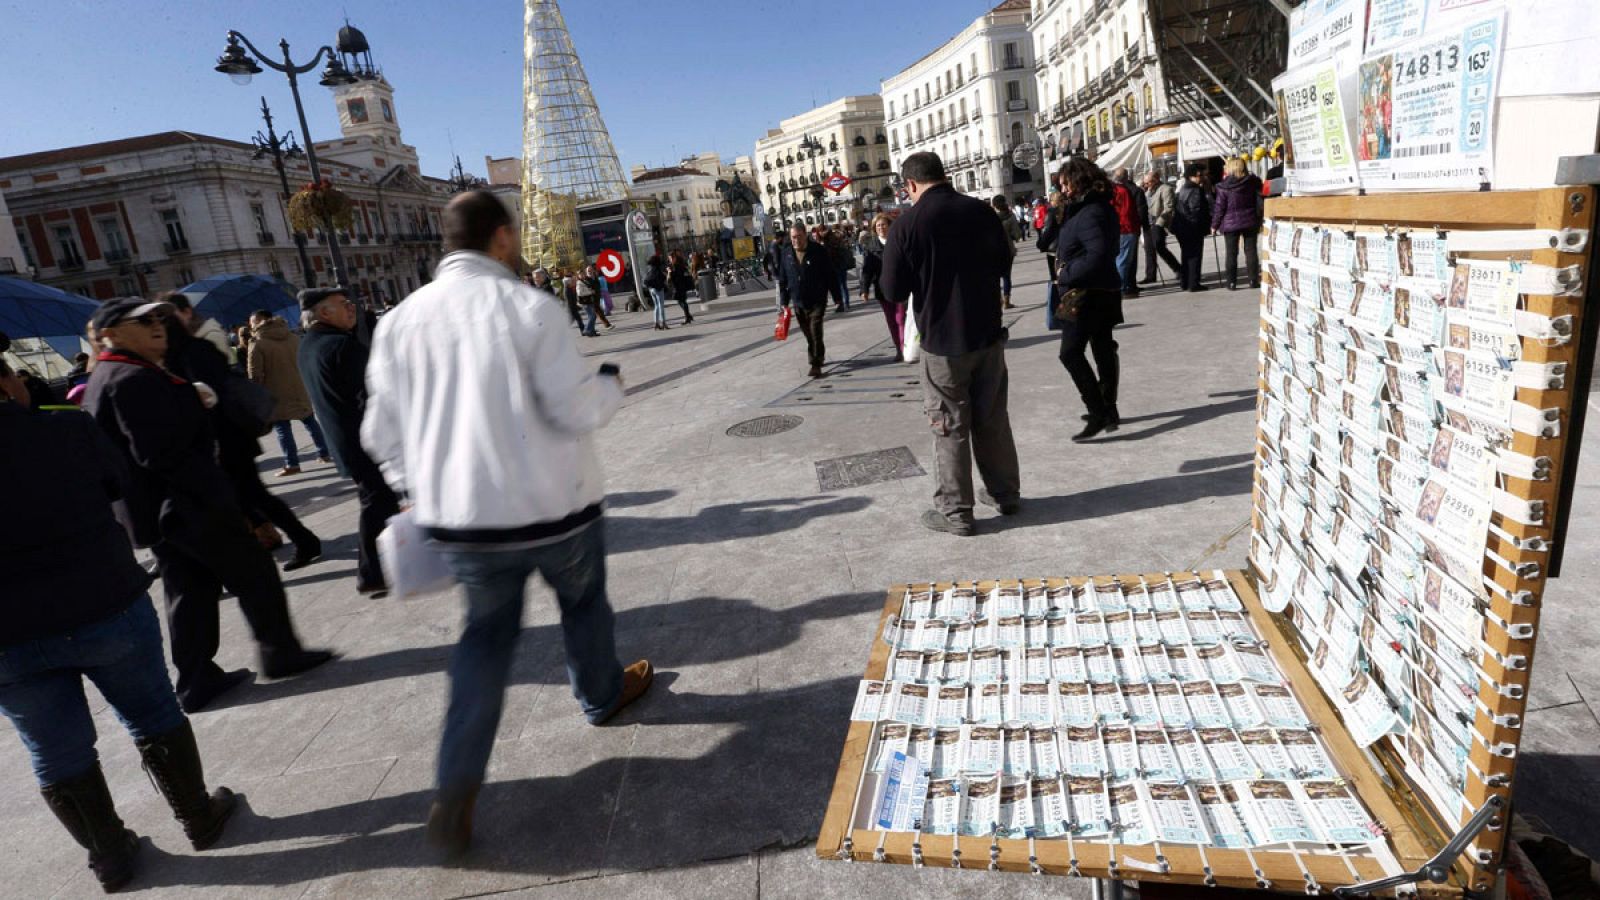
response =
{"points": [[567, 156]]}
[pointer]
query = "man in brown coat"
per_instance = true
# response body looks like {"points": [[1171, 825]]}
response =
{"points": [[273, 363]]}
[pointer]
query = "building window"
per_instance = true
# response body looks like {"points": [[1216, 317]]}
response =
{"points": [[963, 108], [357, 107], [126, 287], [1105, 121], [185, 276], [960, 79], [176, 240], [1013, 91], [27, 248], [388, 111], [112, 243], [1149, 99], [258, 214], [1012, 62], [891, 109], [974, 64], [67, 246]]}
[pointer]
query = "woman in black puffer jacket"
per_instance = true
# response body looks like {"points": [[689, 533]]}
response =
{"points": [[1086, 260]]}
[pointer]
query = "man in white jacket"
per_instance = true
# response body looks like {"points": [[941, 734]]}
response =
{"points": [[480, 410]]}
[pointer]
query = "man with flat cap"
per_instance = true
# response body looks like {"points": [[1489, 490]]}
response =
{"points": [[181, 505], [333, 365]]}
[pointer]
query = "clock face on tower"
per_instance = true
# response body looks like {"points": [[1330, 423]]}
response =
{"points": [[388, 111], [357, 107]]}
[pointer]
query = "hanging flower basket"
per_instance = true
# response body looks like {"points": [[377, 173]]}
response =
{"points": [[318, 204]]}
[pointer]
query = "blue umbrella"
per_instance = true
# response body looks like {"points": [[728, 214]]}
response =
{"points": [[30, 310], [230, 299]]}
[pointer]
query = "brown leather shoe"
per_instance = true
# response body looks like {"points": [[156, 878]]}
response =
{"points": [[288, 470], [450, 820], [635, 681]]}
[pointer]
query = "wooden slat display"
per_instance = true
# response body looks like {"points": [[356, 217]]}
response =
{"points": [[1550, 209], [1414, 829]]}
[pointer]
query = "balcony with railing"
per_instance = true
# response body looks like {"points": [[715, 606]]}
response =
{"points": [[1013, 62], [174, 247], [73, 263], [266, 238], [1018, 105], [118, 256]]}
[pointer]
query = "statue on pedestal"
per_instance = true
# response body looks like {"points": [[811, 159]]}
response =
{"points": [[738, 198]]}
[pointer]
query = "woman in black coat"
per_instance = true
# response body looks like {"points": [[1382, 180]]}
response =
{"points": [[682, 282], [1086, 260]]}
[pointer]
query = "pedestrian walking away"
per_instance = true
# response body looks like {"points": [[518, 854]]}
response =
{"points": [[237, 433], [1236, 215], [76, 606], [949, 251], [805, 281], [506, 481], [655, 281], [1191, 222], [871, 246], [1049, 231], [681, 282], [1160, 200], [180, 505], [1011, 221], [843, 259], [587, 286], [272, 361], [894, 314], [1086, 269], [1132, 215], [333, 362]]}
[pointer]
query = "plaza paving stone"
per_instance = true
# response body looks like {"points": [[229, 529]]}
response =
{"points": [[756, 594]]}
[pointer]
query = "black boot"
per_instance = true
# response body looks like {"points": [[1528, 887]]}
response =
{"points": [[84, 806], [1094, 426], [307, 549], [173, 763], [450, 820]]}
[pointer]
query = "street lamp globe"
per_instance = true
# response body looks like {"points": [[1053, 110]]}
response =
{"points": [[236, 64], [335, 74]]}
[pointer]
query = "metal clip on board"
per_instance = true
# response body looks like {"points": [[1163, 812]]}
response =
{"points": [[1437, 869]]}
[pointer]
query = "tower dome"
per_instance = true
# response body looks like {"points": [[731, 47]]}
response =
{"points": [[351, 40]]}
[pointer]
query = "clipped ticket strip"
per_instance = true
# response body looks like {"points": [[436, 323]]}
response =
{"points": [[1386, 424], [1133, 713]]}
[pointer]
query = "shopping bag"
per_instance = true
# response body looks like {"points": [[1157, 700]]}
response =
{"points": [[412, 568], [781, 330], [911, 340], [605, 302]]}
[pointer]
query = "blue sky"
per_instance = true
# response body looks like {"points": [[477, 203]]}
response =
{"points": [[671, 79]]}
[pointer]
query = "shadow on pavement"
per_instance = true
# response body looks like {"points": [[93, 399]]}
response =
{"points": [[766, 781], [1133, 496], [626, 499], [747, 629], [724, 522], [1178, 418], [1558, 790]]}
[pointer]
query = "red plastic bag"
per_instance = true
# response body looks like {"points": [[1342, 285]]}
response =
{"points": [[781, 330]]}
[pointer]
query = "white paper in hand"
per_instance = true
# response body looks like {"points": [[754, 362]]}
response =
{"points": [[411, 566], [911, 340]]}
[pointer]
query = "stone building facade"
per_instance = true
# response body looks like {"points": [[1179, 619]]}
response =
{"points": [[1099, 78], [850, 134]]}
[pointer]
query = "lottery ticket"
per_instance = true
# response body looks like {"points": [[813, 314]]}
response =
{"points": [[1335, 813], [1205, 704], [1485, 292], [1157, 760], [1222, 812], [942, 813], [1066, 664], [1034, 706], [1108, 598], [894, 789], [1005, 602], [917, 605], [1051, 817], [951, 706], [985, 705], [909, 664], [1018, 751], [1153, 660], [1270, 757], [1222, 665], [931, 635], [1060, 598], [1162, 597], [1035, 601], [1016, 808], [984, 747], [869, 705], [1122, 752], [1254, 663], [1036, 664], [1045, 754], [1063, 629], [1145, 629], [1119, 627], [1174, 630], [1130, 819], [957, 603], [1138, 597], [1306, 754], [1174, 814], [1036, 632], [910, 703], [1191, 754], [919, 746], [1365, 710], [1243, 709], [958, 666], [959, 637], [1125, 660], [1074, 706], [986, 666], [1091, 808], [1141, 701], [1170, 705], [980, 806], [1280, 706], [1204, 627], [893, 740], [1222, 595], [1097, 659], [1108, 703], [1091, 629], [1474, 384], [1273, 813], [1228, 756], [1085, 753], [948, 752], [1008, 631], [1185, 665]]}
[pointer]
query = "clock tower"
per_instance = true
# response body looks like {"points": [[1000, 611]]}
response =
{"points": [[366, 106]]}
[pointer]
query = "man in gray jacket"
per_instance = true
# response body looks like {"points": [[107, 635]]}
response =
{"points": [[1161, 199]]}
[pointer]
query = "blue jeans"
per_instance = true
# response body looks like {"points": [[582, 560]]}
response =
{"points": [[41, 689], [844, 288], [659, 298], [1128, 261], [589, 320], [481, 663], [291, 453]]}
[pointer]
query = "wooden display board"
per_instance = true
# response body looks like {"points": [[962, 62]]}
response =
{"points": [[1415, 829]]}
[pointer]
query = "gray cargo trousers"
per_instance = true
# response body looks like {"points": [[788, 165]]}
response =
{"points": [[965, 399]]}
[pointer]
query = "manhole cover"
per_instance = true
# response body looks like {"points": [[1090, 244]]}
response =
{"points": [[764, 426], [867, 468]]}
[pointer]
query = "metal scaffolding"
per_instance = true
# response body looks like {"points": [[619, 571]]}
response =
{"points": [[1219, 58], [567, 156]]}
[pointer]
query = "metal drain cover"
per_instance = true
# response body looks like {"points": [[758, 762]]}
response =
{"points": [[765, 426], [867, 468]]}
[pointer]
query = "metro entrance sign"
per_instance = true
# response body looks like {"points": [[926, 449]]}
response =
{"points": [[836, 182], [609, 264]]}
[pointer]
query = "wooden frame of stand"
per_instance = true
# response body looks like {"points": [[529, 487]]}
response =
{"points": [[1415, 830]]}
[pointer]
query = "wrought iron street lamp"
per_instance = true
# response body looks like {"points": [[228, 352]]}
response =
{"points": [[240, 63], [270, 144]]}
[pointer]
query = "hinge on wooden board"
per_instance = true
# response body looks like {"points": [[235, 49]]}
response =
{"points": [[1437, 869]]}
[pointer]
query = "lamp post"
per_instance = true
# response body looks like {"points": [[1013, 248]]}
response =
{"points": [[279, 147], [240, 66]]}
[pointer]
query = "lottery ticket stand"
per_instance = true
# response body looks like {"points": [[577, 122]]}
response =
{"points": [[1419, 357]]}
